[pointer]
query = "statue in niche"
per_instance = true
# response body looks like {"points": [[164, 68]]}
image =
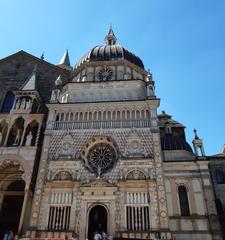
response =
{"points": [[18, 103], [28, 105], [29, 139], [23, 104], [18, 136]]}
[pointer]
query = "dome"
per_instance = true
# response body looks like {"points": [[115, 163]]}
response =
{"points": [[170, 142], [109, 52]]}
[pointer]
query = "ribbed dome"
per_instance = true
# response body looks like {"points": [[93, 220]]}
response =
{"points": [[170, 142], [109, 52]]}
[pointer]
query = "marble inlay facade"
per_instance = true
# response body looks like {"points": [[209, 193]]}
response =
{"points": [[102, 159]]}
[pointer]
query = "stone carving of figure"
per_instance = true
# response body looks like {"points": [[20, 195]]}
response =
{"points": [[78, 174], [66, 148], [147, 90], [23, 104], [151, 90], [0, 138], [49, 175], [17, 138], [29, 139], [99, 170], [121, 173], [18, 104], [28, 105], [54, 95]]}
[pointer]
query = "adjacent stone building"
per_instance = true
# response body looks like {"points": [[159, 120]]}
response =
{"points": [[83, 150], [217, 169]]}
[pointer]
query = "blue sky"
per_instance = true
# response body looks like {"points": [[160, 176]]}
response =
{"points": [[181, 41]]}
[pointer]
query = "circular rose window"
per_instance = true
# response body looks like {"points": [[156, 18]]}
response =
{"points": [[101, 156], [105, 74]]}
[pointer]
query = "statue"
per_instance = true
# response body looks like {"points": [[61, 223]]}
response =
{"points": [[78, 174], [151, 90], [17, 138], [23, 104], [54, 96], [99, 172], [18, 104], [0, 138], [28, 105], [29, 139]]}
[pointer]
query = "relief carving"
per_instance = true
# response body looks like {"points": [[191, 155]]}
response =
{"points": [[66, 149]]}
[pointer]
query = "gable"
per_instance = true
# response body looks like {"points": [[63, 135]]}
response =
{"points": [[16, 68]]}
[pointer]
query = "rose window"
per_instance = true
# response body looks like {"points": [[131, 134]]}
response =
{"points": [[105, 74], [101, 157]]}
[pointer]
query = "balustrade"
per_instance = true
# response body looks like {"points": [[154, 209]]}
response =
{"points": [[69, 125]]}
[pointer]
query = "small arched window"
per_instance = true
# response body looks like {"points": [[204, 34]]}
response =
{"points": [[183, 199], [220, 177], [17, 185], [8, 102]]}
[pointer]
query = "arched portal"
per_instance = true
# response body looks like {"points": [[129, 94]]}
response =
{"points": [[11, 207], [97, 221]]}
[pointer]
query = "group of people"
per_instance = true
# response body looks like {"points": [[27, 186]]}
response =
{"points": [[100, 235], [8, 235]]}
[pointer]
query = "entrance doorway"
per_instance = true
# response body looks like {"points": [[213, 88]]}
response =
{"points": [[97, 221], [11, 207]]}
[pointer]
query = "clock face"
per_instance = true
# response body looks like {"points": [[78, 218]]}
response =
{"points": [[105, 74]]}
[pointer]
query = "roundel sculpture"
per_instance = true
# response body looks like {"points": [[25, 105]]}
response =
{"points": [[100, 154]]}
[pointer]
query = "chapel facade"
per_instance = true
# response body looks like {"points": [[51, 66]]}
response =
{"points": [[84, 150]]}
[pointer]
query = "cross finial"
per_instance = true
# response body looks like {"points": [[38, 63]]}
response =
{"points": [[110, 38], [196, 136], [42, 56]]}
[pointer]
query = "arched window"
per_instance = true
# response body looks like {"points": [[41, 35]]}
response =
{"points": [[220, 177], [57, 118], [8, 102], [17, 185], [183, 199]]}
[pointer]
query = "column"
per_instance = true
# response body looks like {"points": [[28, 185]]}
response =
{"points": [[7, 134], [38, 133], [25, 200], [22, 137]]}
